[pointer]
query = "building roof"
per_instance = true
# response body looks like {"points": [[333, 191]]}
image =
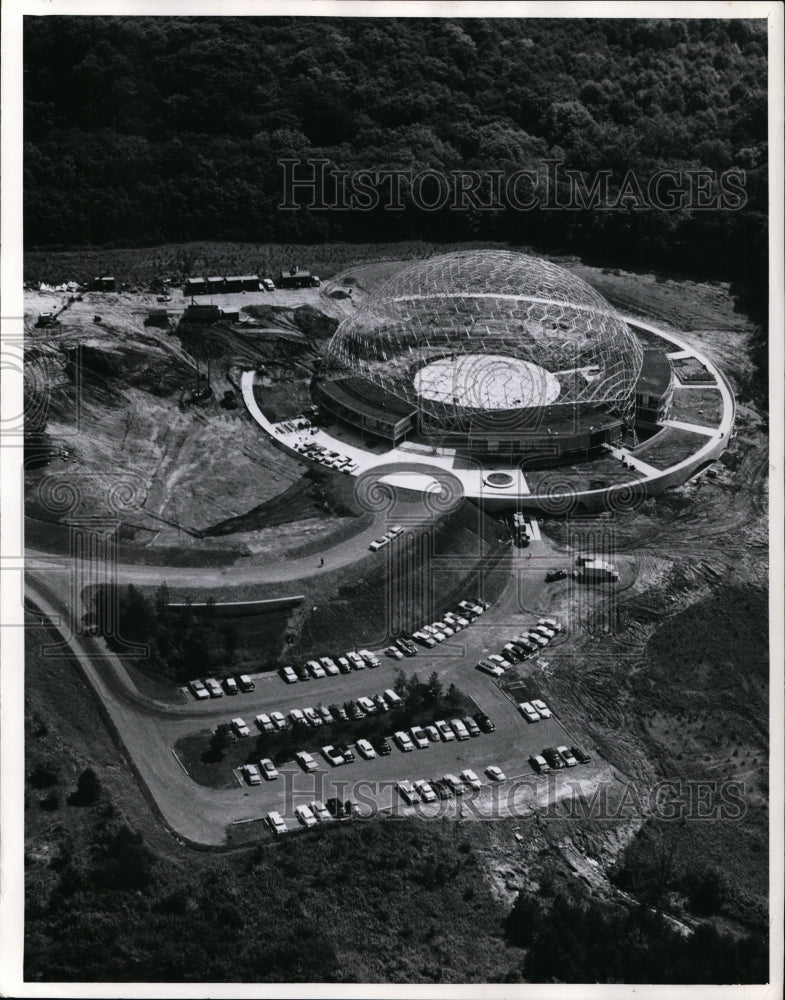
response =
{"points": [[299, 273]]}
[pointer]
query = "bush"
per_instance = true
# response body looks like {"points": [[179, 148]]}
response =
{"points": [[88, 789]]}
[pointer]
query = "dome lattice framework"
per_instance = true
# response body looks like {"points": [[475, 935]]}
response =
{"points": [[565, 344]]}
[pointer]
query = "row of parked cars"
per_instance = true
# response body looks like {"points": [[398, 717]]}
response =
{"points": [[310, 815], [450, 623], [417, 737], [212, 688], [386, 538], [520, 647], [331, 459], [448, 786], [326, 666], [555, 758], [534, 710]]}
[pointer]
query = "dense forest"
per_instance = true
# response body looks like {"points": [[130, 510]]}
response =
{"points": [[151, 130]]}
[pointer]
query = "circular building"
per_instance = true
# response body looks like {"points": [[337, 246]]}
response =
{"points": [[488, 351]]}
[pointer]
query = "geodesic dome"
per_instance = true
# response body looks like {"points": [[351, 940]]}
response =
{"points": [[488, 331]]}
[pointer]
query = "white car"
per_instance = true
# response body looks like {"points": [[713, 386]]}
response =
{"points": [[251, 774], [403, 741], [278, 720], [370, 658], [240, 727], [550, 623], [500, 661], [444, 629], [315, 669], [395, 530], [394, 653], [460, 730], [329, 666], [326, 714], [566, 756], [455, 783], [471, 779], [268, 769], [305, 760], [444, 731], [367, 705], [495, 773], [407, 792], [333, 757], [379, 544], [198, 690], [424, 790], [490, 668], [276, 822], [539, 706], [265, 723], [544, 630], [365, 749], [215, 689], [289, 675], [320, 811], [356, 660], [419, 738], [305, 816], [297, 718], [432, 733], [424, 639], [530, 713], [268, 287], [535, 637], [312, 717]]}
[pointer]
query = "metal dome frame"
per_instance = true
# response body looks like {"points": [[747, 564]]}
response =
{"points": [[491, 302]]}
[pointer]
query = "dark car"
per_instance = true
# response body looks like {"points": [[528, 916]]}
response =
{"points": [[556, 574], [339, 713], [523, 649], [345, 751], [471, 725], [484, 722], [381, 745], [442, 789], [338, 808], [302, 672], [554, 758], [511, 653], [580, 755]]}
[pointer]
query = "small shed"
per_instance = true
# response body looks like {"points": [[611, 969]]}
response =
{"points": [[295, 277], [157, 317], [195, 286], [202, 314], [103, 283], [216, 284], [250, 282]]}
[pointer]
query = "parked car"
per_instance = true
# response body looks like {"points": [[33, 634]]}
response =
{"points": [[305, 760], [424, 790], [500, 661], [198, 690], [357, 662], [461, 732], [371, 659], [424, 639], [297, 718], [379, 544], [213, 687], [455, 783], [332, 756], [302, 672], [407, 792], [471, 779], [251, 774], [392, 698], [326, 714], [320, 811], [539, 706], [540, 640], [265, 723], [346, 751], [381, 745], [529, 712], [268, 769], [566, 756], [365, 749], [230, 685], [495, 773], [278, 720], [288, 675], [442, 789], [355, 712], [312, 717], [471, 726], [315, 669], [380, 703], [339, 713], [490, 668], [444, 731], [343, 665], [305, 816], [556, 574], [484, 722], [544, 631], [580, 755], [366, 705], [276, 823], [394, 653], [245, 683], [419, 738], [432, 733], [240, 727], [329, 666], [510, 653], [550, 623], [554, 758], [395, 530], [406, 646], [539, 764], [403, 741]]}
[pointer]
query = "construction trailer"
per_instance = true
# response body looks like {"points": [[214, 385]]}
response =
{"points": [[195, 286], [202, 314], [296, 277], [157, 317], [599, 571]]}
